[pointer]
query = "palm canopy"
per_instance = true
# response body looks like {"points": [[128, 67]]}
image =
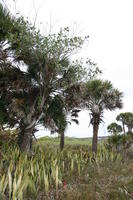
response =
{"points": [[121, 117], [58, 115], [101, 95], [55, 117], [114, 128]]}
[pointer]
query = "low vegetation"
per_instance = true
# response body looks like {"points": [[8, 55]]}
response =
{"points": [[74, 173], [69, 141]]}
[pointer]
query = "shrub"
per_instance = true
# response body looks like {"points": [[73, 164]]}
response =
{"points": [[7, 139]]}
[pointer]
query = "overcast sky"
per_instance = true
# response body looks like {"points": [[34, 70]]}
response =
{"points": [[109, 23]]}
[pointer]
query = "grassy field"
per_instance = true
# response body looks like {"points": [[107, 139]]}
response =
{"points": [[68, 141]]}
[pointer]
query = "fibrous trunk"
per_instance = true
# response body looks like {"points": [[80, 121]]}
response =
{"points": [[129, 129], [25, 139], [28, 125], [123, 128], [95, 137], [61, 141]]}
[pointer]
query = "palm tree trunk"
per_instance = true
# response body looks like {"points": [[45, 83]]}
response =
{"points": [[25, 140], [124, 128], [26, 130], [129, 129], [61, 141], [95, 137]]}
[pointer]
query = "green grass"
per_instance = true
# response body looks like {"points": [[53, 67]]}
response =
{"points": [[68, 141]]}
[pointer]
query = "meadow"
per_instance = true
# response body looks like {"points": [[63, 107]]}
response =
{"points": [[68, 141]]}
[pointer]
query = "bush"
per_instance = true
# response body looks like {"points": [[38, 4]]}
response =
{"points": [[118, 142], [8, 138]]}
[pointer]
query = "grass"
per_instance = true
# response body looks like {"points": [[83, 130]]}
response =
{"points": [[102, 183], [68, 141]]}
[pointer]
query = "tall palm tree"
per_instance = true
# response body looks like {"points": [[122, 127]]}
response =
{"points": [[99, 96]]}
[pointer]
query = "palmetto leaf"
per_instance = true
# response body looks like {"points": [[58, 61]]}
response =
{"points": [[101, 95], [76, 121]]}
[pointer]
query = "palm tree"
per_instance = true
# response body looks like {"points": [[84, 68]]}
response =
{"points": [[126, 119], [114, 128], [99, 96], [56, 117], [129, 121], [122, 119]]}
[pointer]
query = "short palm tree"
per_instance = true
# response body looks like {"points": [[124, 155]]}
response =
{"points": [[129, 121], [114, 128], [56, 117], [126, 119], [122, 118], [99, 96]]}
